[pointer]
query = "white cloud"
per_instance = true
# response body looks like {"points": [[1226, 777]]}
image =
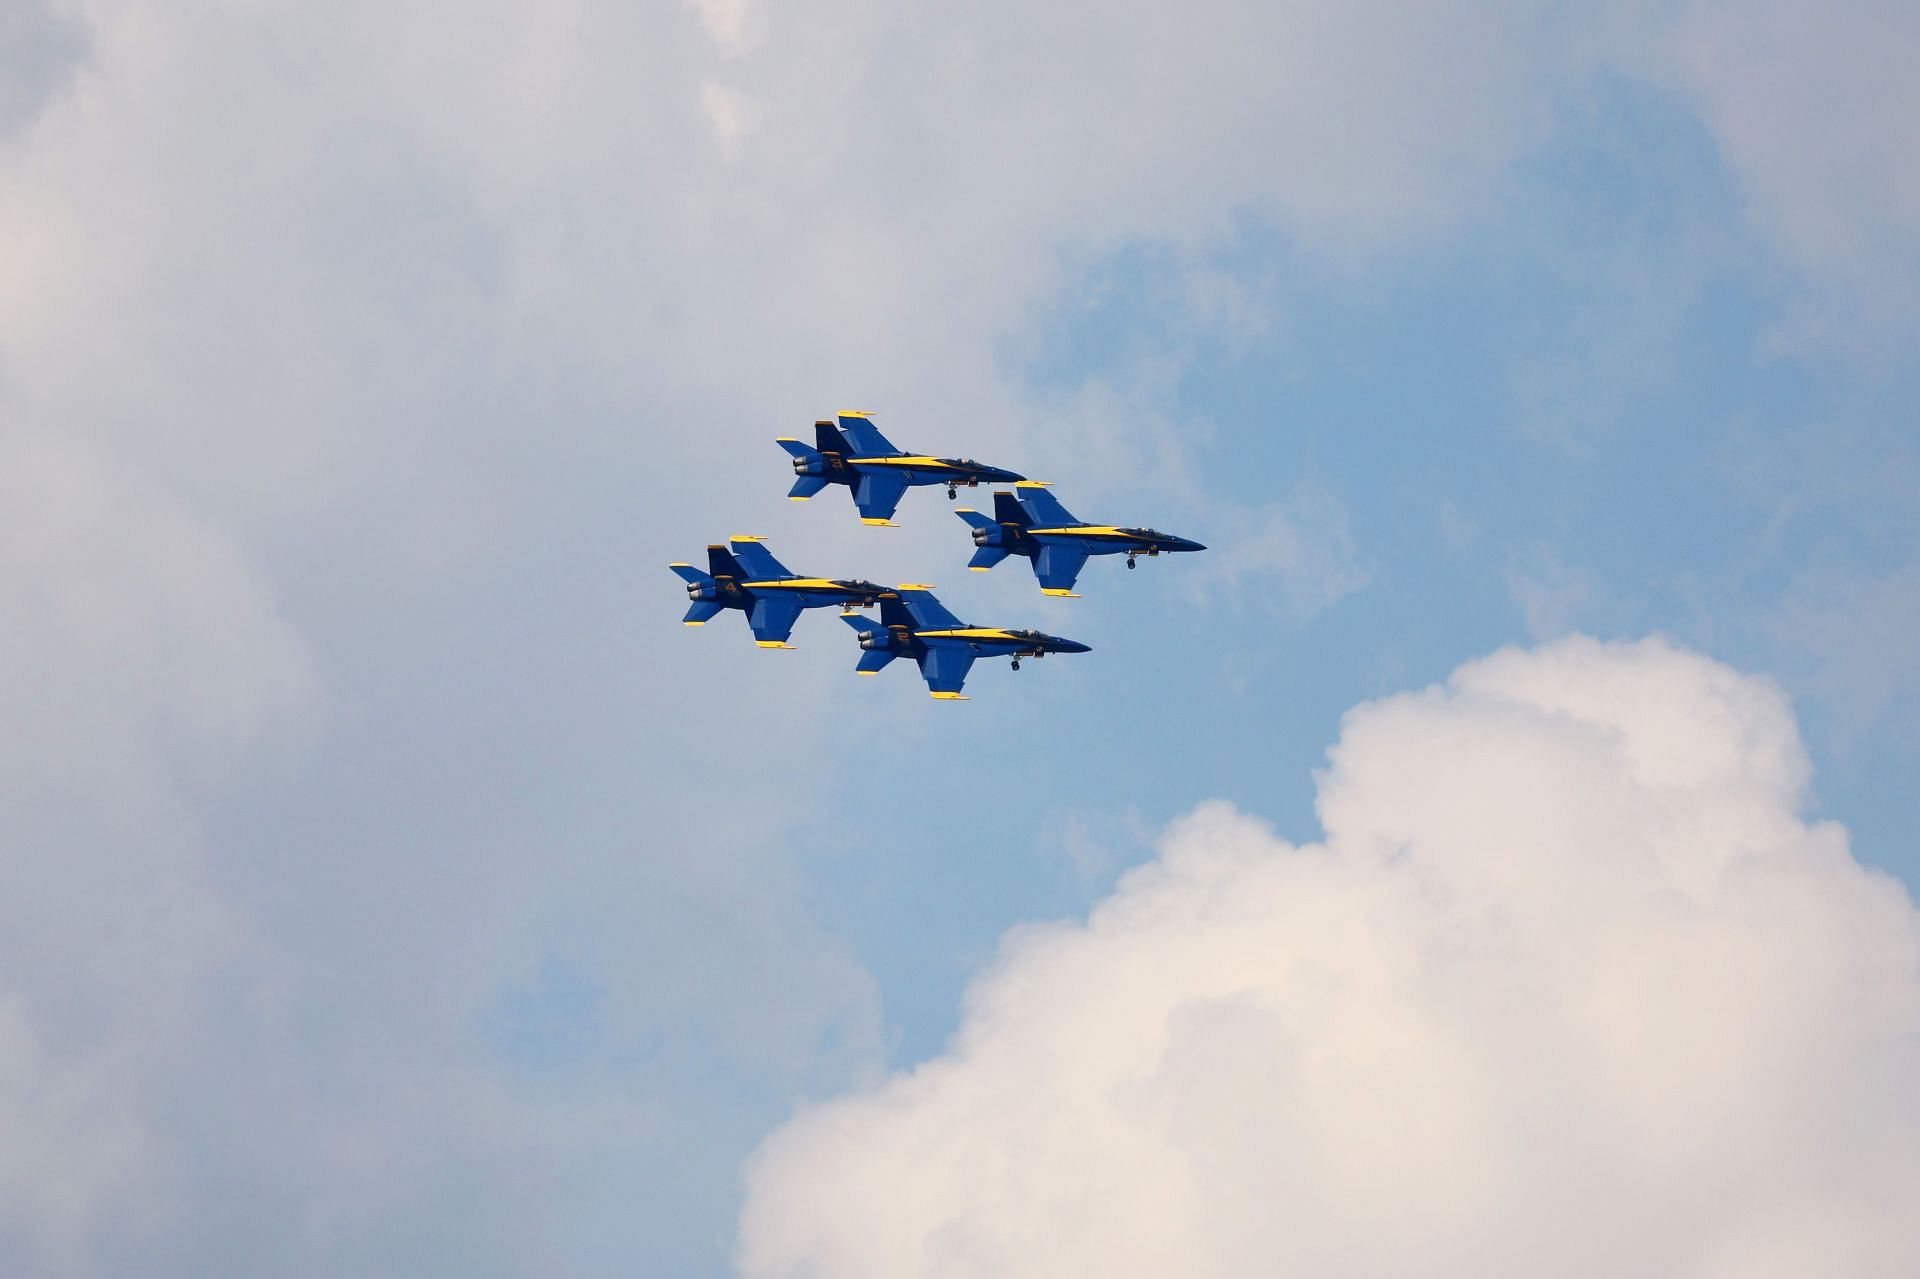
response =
{"points": [[1568, 988]]}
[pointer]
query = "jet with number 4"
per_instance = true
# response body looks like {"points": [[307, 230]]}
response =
{"points": [[854, 453], [743, 574], [1031, 521], [915, 624]]}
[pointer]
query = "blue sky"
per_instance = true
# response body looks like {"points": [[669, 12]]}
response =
{"points": [[358, 385]]}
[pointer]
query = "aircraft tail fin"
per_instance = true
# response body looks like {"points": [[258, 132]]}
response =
{"points": [[1007, 510], [827, 439], [720, 563]]}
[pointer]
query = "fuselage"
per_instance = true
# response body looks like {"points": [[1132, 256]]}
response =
{"points": [[911, 469], [807, 592], [1107, 539], [982, 641]]}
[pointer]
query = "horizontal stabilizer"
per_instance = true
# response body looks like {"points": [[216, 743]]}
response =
{"points": [[701, 612], [986, 557], [806, 486], [688, 573], [974, 518], [796, 448], [874, 660]]}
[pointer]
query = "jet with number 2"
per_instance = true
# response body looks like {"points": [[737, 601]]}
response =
{"points": [[743, 574], [855, 454], [1031, 521], [915, 624]]}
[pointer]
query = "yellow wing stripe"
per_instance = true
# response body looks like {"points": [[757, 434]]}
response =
{"points": [[971, 632], [793, 584]]}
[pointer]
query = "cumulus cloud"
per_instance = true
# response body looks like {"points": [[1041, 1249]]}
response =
{"points": [[1568, 987]]}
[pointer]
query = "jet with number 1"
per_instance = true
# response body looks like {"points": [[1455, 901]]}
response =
{"points": [[743, 574], [857, 455], [1031, 521], [915, 624]]}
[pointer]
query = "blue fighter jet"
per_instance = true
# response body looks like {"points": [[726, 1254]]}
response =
{"points": [[857, 455], [915, 624], [743, 574], [1030, 521]]}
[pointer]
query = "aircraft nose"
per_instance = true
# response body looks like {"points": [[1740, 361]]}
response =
{"points": [[999, 476], [1073, 646], [1187, 544]]}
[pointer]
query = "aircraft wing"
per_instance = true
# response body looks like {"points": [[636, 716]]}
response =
{"points": [[945, 668], [928, 613], [865, 436], [1058, 566], [757, 559], [1043, 507], [772, 620], [878, 496]]}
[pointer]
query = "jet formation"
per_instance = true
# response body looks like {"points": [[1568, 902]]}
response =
{"points": [[1027, 521]]}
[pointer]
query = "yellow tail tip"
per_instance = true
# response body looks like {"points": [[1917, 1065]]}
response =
{"points": [[866, 673], [792, 498], [878, 523], [693, 623], [772, 644], [948, 697], [975, 568], [1058, 593], [1033, 484]]}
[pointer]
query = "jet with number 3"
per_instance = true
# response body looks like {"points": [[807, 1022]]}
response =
{"points": [[743, 574], [915, 624], [854, 453], [1031, 521]]}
